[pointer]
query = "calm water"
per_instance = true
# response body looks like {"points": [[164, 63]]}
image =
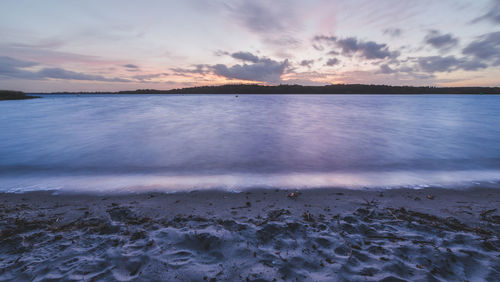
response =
{"points": [[131, 142]]}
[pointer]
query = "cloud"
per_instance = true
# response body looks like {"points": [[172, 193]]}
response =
{"points": [[307, 63], [220, 53], [433, 64], [258, 69], [332, 62], [130, 66], [441, 41], [318, 47], [480, 54], [147, 77], [60, 73], [333, 53], [199, 69], [265, 70], [245, 56], [469, 65], [493, 15], [393, 32], [369, 50], [385, 69], [50, 56], [427, 66], [273, 23], [438, 63], [14, 68], [8, 63], [258, 18], [254, 68], [324, 38], [486, 48]]}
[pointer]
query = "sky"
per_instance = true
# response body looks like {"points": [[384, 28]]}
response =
{"points": [[111, 45]]}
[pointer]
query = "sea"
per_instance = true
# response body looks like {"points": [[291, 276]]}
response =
{"points": [[169, 143]]}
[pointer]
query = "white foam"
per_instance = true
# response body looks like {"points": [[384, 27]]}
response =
{"points": [[238, 182]]}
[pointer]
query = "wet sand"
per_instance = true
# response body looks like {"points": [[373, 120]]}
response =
{"points": [[257, 235]]}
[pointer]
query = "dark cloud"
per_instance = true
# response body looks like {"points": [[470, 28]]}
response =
{"points": [[441, 41], [486, 48], [433, 64], [427, 66], [307, 63], [220, 53], [480, 54], [385, 69], [369, 50], [60, 73], [318, 47], [199, 69], [46, 55], [273, 23], [438, 63], [245, 56], [469, 65], [265, 70], [259, 18], [8, 62], [14, 68], [146, 77], [332, 62], [493, 15], [393, 32], [259, 69], [324, 38], [131, 66]]}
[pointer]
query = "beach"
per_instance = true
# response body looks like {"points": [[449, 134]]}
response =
{"points": [[240, 140], [328, 234]]}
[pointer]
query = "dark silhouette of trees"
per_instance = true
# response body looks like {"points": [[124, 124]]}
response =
{"points": [[327, 89], [14, 95], [300, 89]]}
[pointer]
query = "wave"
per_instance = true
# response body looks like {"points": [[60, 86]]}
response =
{"points": [[117, 183]]}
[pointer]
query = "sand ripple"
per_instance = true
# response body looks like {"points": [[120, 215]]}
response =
{"points": [[370, 244]]}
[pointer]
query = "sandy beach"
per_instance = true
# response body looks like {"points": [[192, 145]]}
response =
{"points": [[257, 235], [240, 140]]}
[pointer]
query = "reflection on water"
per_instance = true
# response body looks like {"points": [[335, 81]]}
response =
{"points": [[223, 141]]}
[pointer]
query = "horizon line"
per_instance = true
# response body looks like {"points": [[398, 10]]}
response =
{"points": [[263, 86]]}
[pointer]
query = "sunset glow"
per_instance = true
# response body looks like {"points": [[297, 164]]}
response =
{"points": [[124, 45]]}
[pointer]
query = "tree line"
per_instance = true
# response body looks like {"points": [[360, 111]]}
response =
{"points": [[301, 89]]}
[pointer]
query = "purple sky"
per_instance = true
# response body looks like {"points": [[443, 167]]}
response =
{"points": [[60, 45]]}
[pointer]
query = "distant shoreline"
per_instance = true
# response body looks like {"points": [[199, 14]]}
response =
{"points": [[14, 95], [334, 89]]}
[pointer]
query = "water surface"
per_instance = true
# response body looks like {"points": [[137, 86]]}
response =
{"points": [[177, 142]]}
